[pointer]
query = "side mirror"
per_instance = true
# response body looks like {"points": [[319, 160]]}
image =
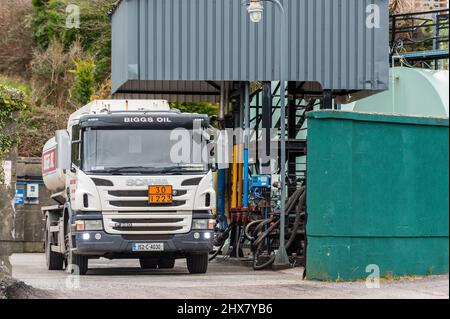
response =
{"points": [[63, 150]]}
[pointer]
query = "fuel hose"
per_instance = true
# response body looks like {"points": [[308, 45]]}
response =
{"points": [[298, 201], [223, 239]]}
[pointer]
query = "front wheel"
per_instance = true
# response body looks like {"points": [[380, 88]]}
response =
{"points": [[198, 263], [78, 264]]}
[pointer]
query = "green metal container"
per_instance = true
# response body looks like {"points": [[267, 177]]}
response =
{"points": [[378, 194]]}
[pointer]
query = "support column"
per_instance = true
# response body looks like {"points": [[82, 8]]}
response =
{"points": [[246, 145], [292, 135], [327, 103], [266, 122]]}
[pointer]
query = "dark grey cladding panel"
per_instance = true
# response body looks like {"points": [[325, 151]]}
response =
{"points": [[173, 91], [329, 41]]}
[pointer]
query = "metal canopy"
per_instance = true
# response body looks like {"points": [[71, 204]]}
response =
{"points": [[194, 42], [173, 91]]}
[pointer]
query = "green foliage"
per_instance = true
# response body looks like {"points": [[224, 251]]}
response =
{"points": [[94, 33], [48, 22], [200, 108], [12, 101], [84, 84]]}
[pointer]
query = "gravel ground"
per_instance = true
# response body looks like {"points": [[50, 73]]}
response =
{"points": [[124, 279], [13, 289]]}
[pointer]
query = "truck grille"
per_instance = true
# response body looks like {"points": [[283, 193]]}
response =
{"points": [[141, 193], [137, 200], [155, 223], [144, 203], [147, 212], [147, 221], [150, 229]]}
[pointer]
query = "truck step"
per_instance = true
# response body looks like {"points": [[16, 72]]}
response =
{"points": [[57, 249], [54, 229]]}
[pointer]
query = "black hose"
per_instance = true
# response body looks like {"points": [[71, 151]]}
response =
{"points": [[261, 226], [264, 234], [298, 218], [247, 228], [299, 198], [224, 239], [289, 205], [257, 230]]}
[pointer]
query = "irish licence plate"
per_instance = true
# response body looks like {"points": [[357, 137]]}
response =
{"points": [[160, 194], [148, 247]]}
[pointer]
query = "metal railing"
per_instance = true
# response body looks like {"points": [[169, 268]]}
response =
{"points": [[425, 34]]}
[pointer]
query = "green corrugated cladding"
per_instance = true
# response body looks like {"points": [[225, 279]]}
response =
{"points": [[378, 194]]}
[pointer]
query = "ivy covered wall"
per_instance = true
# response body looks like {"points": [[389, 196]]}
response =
{"points": [[12, 102]]}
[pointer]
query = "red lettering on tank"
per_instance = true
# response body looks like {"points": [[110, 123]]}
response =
{"points": [[49, 161]]}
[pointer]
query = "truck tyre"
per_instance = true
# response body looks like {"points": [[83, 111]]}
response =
{"points": [[54, 260], [166, 263], [148, 263], [198, 263], [78, 264]]}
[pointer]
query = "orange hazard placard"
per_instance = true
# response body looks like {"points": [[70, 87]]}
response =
{"points": [[160, 194]]}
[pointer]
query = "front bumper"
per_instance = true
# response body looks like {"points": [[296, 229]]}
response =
{"points": [[101, 244]]}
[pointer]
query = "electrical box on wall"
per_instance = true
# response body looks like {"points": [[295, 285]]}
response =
{"points": [[32, 191], [32, 195], [27, 192]]}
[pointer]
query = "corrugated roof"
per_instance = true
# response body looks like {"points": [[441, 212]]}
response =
{"points": [[213, 40]]}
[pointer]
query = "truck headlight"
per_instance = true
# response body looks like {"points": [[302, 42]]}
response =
{"points": [[203, 224], [89, 225]]}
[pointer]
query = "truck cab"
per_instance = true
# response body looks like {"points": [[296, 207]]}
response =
{"points": [[131, 180]]}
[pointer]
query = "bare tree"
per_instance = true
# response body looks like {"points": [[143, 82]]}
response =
{"points": [[408, 6], [16, 43]]}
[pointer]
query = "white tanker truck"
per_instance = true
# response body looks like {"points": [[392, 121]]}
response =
{"points": [[119, 193]]}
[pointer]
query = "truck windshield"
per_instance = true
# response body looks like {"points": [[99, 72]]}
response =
{"points": [[141, 151]]}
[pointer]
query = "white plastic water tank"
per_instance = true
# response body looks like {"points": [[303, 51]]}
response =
{"points": [[54, 178], [413, 92]]}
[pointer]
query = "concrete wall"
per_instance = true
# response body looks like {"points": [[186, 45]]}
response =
{"points": [[28, 219], [7, 169]]}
